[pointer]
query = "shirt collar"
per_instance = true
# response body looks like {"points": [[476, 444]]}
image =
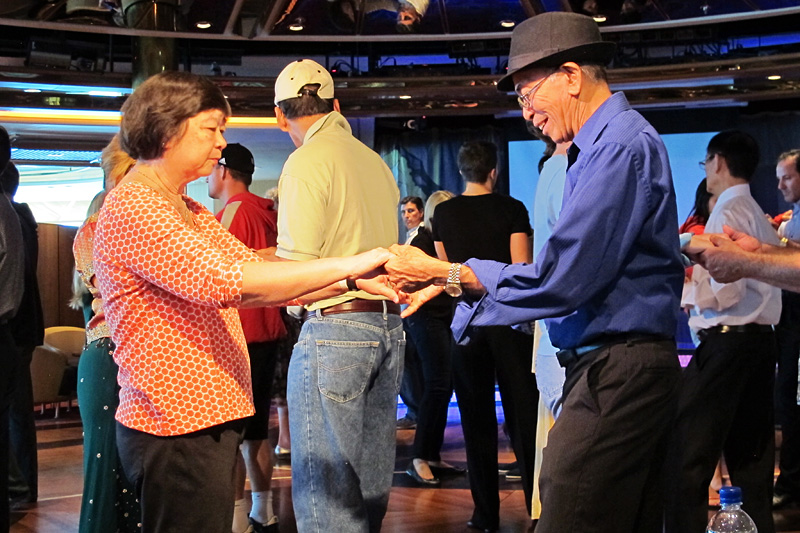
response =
{"points": [[734, 191], [334, 118], [593, 128]]}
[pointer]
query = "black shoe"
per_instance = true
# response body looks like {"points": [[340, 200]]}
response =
{"points": [[513, 475], [406, 423], [412, 471], [779, 501], [451, 470], [504, 468], [257, 527], [473, 525]]}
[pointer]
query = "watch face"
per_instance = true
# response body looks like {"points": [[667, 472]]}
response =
{"points": [[453, 290]]}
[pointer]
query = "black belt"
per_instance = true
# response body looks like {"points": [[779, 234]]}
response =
{"points": [[569, 356], [355, 306], [742, 328]]}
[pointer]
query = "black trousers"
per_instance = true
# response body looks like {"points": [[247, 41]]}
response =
{"points": [[184, 483], [787, 412], [602, 469], [429, 331], [22, 429], [725, 408], [9, 363], [507, 354]]}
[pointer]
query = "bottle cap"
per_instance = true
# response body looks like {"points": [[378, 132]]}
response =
{"points": [[730, 495]]}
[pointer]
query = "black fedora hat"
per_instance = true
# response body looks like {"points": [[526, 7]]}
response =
{"points": [[551, 39]]}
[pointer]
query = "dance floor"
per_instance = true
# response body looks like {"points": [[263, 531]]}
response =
{"points": [[411, 509]]}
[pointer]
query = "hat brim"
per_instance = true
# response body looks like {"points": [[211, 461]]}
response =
{"points": [[592, 53]]}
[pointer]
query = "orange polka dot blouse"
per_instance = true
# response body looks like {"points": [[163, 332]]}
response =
{"points": [[170, 293]]}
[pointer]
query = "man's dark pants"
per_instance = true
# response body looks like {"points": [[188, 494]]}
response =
{"points": [[787, 410], [725, 408], [602, 468], [9, 361]]}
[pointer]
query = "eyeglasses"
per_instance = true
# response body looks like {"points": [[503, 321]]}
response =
{"points": [[525, 101], [705, 161]]}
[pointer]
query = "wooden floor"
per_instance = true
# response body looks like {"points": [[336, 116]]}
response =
{"points": [[411, 509]]}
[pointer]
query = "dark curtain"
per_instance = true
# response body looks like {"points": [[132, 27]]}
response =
{"points": [[426, 161]]}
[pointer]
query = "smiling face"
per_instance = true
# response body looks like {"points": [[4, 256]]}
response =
{"points": [[548, 102], [788, 179], [412, 216], [197, 151]]}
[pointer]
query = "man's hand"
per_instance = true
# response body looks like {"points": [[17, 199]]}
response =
{"points": [[416, 299], [745, 241], [379, 286], [698, 245], [727, 260], [412, 269]]}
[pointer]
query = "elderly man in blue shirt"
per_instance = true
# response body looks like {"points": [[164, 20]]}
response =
{"points": [[611, 272]]}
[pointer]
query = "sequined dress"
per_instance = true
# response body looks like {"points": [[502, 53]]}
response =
{"points": [[108, 504]]}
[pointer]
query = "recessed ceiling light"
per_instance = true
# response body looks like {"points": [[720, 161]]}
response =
{"points": [[508, 23], [297, 25], [32, 90], [599, 18], [774, 77], [203, 25], [405, 97]]}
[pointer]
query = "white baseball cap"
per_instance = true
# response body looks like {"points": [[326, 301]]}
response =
{"points": [[300, 73]]}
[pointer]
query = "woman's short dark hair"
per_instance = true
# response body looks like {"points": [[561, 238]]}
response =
{"points": [[476, 160], [306, 105], [157, 111]]}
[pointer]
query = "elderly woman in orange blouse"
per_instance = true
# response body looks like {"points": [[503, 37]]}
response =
{"points": [[171, 278]]}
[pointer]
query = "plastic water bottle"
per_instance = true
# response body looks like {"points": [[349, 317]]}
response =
{"points": [[730, 518]]}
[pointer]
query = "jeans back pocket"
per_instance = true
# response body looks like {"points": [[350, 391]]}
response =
{"points": [[345, 368]]}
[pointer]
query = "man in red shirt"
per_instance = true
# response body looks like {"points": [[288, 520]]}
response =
{"points": [[253, 220]]}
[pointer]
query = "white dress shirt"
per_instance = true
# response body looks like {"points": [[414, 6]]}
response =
{"points": [[745, 301]]}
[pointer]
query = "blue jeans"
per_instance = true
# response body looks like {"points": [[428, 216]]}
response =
{"points": [[344, 376]]}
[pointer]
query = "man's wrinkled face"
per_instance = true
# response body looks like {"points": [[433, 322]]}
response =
{"points": [[412, 216], [545, 102]]}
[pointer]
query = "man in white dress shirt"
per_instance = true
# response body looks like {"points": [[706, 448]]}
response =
{"points": [[726, 402]]}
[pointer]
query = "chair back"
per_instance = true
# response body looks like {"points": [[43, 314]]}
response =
{"points": [[68, 339], [47, 371]]}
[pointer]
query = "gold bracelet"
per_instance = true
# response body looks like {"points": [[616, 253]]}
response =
{"points": [[784, 242]]}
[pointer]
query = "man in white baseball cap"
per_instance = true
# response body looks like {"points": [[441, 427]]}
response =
{"points": [[338, 198]]}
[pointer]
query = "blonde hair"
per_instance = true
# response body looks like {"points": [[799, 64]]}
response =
{"points": [[115, 163], [430, 206]]}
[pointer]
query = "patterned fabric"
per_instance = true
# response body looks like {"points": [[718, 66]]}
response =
{"points": [[170, 292], [97, 327]]}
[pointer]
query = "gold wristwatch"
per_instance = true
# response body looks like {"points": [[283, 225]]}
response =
{"points": [[453, 285]]}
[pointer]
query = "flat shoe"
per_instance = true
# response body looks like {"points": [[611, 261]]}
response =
{"points": [[411, 471], [451, 470], [282, 454]]}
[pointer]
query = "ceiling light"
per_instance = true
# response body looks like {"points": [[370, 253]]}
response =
{"points": [[33, 90], [84, 117], [405, 97], [599, 18], [203, 24], [508, 23], [774, 77], [297, 25]]}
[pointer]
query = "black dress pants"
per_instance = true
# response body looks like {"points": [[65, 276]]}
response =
{"points": [[22, 429], [725, 408], [787, 412], [603, 466], [507, 354]]}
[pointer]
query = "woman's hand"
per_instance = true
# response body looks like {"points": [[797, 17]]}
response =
{"points": [[368, 264], [379, 286]]}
